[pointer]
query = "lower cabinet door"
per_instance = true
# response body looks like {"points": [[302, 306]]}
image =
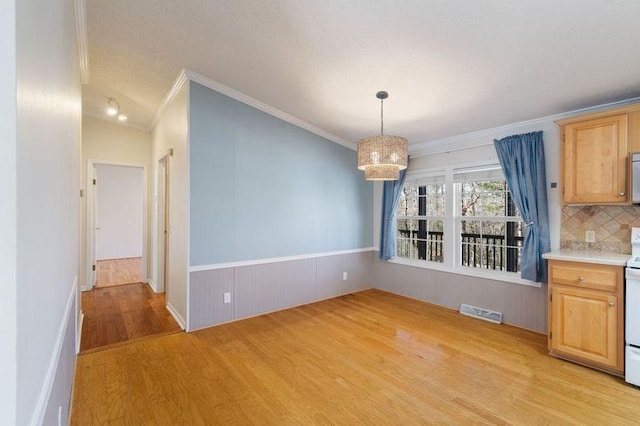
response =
{"points": [[584, 325]]}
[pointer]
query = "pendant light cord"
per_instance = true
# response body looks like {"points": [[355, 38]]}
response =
{"points": [[381, 117]]}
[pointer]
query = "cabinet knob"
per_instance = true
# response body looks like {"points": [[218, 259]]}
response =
{"points": [[580, 278], [622, 194], [612, 304]]}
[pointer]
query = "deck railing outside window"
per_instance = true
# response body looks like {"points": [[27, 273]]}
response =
{"points": [[473, 209], [477, 250], [491, 252], [412, 246]]}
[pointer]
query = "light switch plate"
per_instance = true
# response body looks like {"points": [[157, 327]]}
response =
{"points": [[227, 298]]}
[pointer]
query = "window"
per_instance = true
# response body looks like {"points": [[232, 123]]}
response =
{"points": [[488, 224], [420, 220], [462, 220]]}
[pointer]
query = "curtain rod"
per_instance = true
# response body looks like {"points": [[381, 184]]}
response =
{"points": [[451, 150]]}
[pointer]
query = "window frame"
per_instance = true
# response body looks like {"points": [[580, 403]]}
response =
{"points": [[425, 180], [452, 244]]}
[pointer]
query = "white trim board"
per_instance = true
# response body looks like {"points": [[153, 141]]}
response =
{"points": [[175, 315], [188, 75], [276, 259], [188, 214], [153, 285], [168, 99], [479, 138], [79, 333], [47, 386], [80, 12]]}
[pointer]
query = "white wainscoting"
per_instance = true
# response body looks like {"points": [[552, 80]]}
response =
{"points": [[261, 288], [265, 287], [56, 389], [522, 306]]}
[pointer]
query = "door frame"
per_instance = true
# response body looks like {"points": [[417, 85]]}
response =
{"points": [[163, 226], [90, 216]]}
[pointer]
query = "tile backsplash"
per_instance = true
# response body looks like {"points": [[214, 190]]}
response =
{"points": [[612, 225]]}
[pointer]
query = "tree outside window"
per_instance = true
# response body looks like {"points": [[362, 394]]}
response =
{"points": [[420, 226], [491, 231], [481, 229]]}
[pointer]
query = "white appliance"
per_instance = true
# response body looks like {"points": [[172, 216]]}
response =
{"points": [[635, 177], [632, 312]]}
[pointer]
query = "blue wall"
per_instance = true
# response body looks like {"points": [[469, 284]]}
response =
{"points": [[261, 187]]}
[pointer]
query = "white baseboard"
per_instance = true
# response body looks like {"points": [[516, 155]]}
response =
{"points": [[79, 333], [47, 386], [176, 315], [153, 285]]}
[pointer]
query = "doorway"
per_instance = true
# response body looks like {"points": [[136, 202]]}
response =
{"points": [[116, 224], [120, 306], [119, 218]]}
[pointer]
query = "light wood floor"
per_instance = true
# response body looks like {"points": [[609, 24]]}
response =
{"points": [[119, 314], [367, 358], [112, 272]]}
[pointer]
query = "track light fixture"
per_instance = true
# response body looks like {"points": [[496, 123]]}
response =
{"points": [[113, 109]]}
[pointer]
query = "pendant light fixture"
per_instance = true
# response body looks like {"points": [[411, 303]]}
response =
{"points": [[382, 157]]}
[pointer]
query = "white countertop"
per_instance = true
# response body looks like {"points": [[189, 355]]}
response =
{"points": [[588, 256]]}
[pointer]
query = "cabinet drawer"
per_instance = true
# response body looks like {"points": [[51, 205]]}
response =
{"points": [[585, 275]]}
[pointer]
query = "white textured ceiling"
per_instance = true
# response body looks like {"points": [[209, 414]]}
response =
{"points": [[450, 67]]}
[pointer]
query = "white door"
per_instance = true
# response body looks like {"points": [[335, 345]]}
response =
{"points": [[119, 211]]}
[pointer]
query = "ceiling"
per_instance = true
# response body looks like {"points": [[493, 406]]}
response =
{"points": [[449, 67]]}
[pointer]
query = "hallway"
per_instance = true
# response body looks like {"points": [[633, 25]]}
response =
{"points": [[114, 315], [114, 272]]}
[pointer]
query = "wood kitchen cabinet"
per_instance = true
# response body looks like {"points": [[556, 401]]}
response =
{"points": [[595, 152], [586, 314]]}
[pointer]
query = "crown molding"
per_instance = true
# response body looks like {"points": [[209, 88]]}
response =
{"points": [[479, 138], [80, 12], [188, 75], [436, 146], [119, 123], [168, 99], [241, 97]]}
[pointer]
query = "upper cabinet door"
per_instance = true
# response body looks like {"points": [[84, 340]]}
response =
{"points": [[595, 161]]}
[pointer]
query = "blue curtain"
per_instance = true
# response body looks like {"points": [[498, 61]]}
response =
{"points": [[522, 160], [390, 196]]}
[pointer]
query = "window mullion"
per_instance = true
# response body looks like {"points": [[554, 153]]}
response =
{"points": [[450, 239]]}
